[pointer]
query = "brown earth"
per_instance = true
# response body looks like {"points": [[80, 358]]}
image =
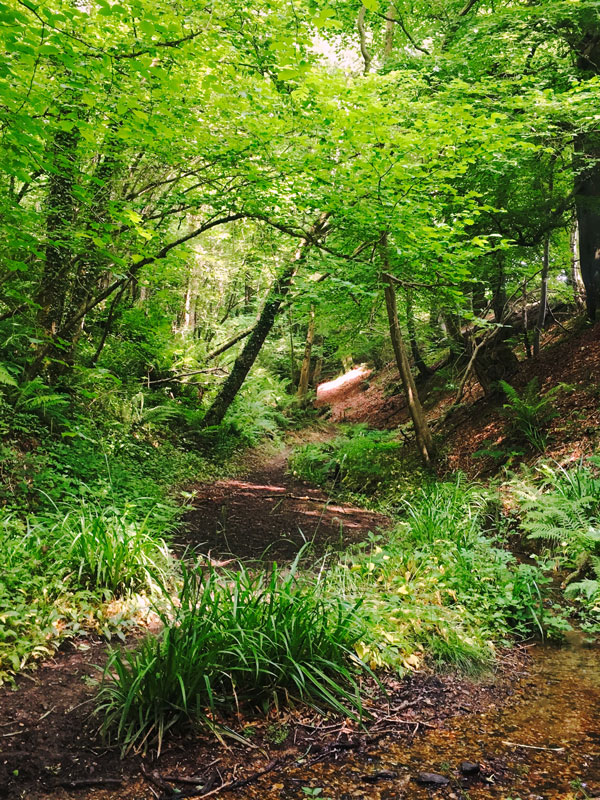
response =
{"points": [[476, 438], [270, 515]]}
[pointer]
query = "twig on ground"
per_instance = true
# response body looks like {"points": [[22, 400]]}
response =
{"points": [[534, 747], [83, 783]]}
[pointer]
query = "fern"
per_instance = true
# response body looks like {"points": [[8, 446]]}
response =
{"points": [[530, 412], [6, 379]]}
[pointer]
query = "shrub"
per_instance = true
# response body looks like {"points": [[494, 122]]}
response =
{"points": [[233, 639], [530, 412], [358, 460]]}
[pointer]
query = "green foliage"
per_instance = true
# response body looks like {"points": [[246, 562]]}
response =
{"points": [[359, 460], [231, 640], [62, 569], [562, 512], [113, 548], [439, 588], [530, 413]]}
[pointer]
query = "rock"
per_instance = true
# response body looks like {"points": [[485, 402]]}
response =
{"points": [[379, 776], [432, 779], [470, 768]]}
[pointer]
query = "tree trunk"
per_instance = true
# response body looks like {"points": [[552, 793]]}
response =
{"points": [[420, 364], [543, 298], [526, 342], [293, 366], [305, 368], [499, 288], [422, 432], [316, 375], [362, 38], [60, 203], [574, 279], [266, 320], [587, 177], [390, 30]]}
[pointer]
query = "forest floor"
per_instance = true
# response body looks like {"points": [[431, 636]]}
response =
{"points": [[49, 746], [269, 515]]}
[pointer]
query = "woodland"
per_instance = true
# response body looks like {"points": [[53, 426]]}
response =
{"points": [[299, 395]]}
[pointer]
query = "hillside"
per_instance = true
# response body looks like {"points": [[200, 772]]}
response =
{"points": [[476, 437]]}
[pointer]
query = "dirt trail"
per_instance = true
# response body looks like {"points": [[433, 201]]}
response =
{"points": [[270, 515], [47, 738]]}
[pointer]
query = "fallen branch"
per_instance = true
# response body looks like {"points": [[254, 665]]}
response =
{"points": [[177, 378], [222, 348]]}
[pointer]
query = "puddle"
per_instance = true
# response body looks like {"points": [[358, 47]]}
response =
{"points": [[543, 743]]}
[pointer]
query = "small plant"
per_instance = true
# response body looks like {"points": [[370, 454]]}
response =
{"points": [[530, 413], [233, 639], [277, 733], [112, 548]]}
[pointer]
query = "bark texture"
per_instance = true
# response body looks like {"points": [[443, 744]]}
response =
{"points": [[422, 432]]}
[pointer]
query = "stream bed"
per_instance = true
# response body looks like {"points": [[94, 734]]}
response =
{"points": [[543, 743]]}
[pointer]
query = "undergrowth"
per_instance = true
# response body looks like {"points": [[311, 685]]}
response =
{"points": [[438, 588], [559, 510], [92, 485], [232, 641], [369, 466]]}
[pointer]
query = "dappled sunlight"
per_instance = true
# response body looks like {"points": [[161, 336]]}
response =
{"points": [[253, 486], [343, 385]]}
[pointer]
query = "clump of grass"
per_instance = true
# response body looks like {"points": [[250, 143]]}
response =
{"points": [[231, 640], [114, 549], [62, 568]]}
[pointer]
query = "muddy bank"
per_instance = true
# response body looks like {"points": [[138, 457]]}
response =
{"points": [[50, 749]]}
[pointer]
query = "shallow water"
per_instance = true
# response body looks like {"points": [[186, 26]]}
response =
{"points": [[555, 708]]}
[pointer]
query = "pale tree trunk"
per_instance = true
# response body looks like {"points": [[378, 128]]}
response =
{"points": [[544, 287], [305, 368], [362, 37], [422, 432], [293, 367], [316, 376], [526, 342], [575, 280], [390, 29]]}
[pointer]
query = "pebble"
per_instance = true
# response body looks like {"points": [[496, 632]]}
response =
{"points": [[470, 768], [432, 779]]}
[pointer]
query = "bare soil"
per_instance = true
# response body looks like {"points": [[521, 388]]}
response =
{"points": [[269, 515]]}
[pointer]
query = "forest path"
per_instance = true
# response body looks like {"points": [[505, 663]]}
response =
{"points": [[269, 515]]}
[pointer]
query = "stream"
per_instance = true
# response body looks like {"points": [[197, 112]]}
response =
{"points": [[543, 743]]}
